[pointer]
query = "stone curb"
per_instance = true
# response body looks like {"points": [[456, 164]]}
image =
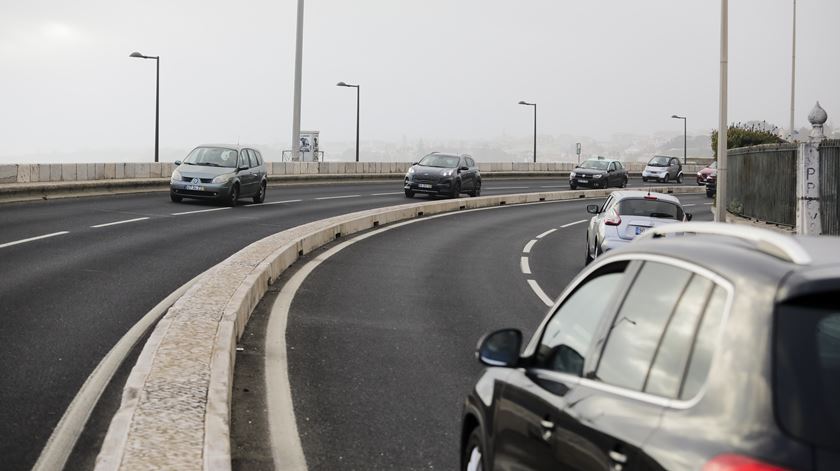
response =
{"points": [[175, 410]]}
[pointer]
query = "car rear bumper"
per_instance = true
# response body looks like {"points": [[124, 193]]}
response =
{"points": [[610, 243]]}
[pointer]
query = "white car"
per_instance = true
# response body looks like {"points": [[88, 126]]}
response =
{"points": [[627, 214]]}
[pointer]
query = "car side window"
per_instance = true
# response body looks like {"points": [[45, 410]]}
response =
{"points": [[253, 156], [619, 166], [259, 157], [612, 166], [635, 332], [470, 162], [243, 159], [704, 345], [570, 331]]}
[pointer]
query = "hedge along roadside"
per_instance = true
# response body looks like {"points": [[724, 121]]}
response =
{"points": [[175, 410]]}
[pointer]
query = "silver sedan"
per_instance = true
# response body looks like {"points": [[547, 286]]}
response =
{"points": [[627, 214]]}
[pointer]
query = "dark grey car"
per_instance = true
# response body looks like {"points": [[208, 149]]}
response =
{"points": [[220, 172], [443, 174]]}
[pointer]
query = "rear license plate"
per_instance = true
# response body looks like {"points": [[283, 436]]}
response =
{"points": [[424, 185], [581, 180], [640, 229], [195, 187]]}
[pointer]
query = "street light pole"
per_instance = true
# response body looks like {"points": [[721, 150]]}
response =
{"points": [[157, 95], [793, 73], [357, 87], [685, 137], [720, 200], [535, 126], [298, 67]]}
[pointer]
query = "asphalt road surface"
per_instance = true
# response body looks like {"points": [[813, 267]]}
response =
{"points": [[381, 336]]}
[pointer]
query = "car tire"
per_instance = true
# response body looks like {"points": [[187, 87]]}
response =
{"points": [[409, 194], [456, 190], [473, 459], [624, 183], [572, 186], [233, 197], [260, 196], [477, 190], [679, 179], [667, 178], [175, 198]]}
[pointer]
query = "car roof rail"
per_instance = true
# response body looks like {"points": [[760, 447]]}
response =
{"points": [[772, 243]]}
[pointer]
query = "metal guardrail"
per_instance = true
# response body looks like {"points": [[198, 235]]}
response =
{"points": [[830, 186], [762, 183]]}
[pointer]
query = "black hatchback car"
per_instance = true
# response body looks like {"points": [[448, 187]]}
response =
{"points": [[443, 174], [715, 351], [598, 173]]}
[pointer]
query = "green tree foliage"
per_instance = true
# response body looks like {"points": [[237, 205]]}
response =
{"points": [[745, 135]]}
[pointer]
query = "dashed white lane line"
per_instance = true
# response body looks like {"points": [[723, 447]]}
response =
{"points": [[546, 233], [271, 202], [707, 204], [572, 223], [199, 211], [337, 197], [540, 293], [22, 241], [554, 186], [119, 222], [387, 194], [688, 205], [507, 188], [529, 246], [523, 264]]}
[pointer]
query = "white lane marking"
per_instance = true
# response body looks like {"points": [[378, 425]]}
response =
{"points": [[529, 246], [554, 186], [9, 244], [572, 223], [337, 197], [271, 202], [387, 194], [546, 233], [540, 293], [507, 188], [65, 435], [119, 222], [199, 211], [707, 204], [523, 264], [689, 205]]}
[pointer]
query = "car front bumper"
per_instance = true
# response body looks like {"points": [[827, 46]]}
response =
{"points": [[200, 190], [658, 176], [431, 187], [579, 180]]}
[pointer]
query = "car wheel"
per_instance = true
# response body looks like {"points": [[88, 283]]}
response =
{"points": [[572, 186], [624, 183], [456, 190], [260, 196], [409, 194], [667, 178], [233, 198], [679, 178], [473, 459], [175, 198], [588, 258], [477, 190]]}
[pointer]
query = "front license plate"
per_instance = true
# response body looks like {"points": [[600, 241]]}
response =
{"points": [[580, 180], [424, 185], [639, 229], [195, 187]]}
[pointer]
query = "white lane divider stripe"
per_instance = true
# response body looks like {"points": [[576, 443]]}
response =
{"points": [[554, 186], [507, 188], [9, 244], [540, 293], [523, 264], [689, 205], [337, 197], [573, 223], [707, 204], [199, 211], [119, 222], [529, 246], [271, 202], [387, 194], [546, 233]]}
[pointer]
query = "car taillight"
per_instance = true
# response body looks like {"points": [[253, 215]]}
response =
{"points": [[739, 463], [612, 219]]}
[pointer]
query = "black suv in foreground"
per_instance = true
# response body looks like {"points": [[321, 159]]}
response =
{"points": [[718, 350], [443, 174]]}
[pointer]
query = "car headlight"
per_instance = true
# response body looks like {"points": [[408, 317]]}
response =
{"points": [[597, 176], [447, 173], [176, 175], [410, 170], [224, 178], [571, 174]]}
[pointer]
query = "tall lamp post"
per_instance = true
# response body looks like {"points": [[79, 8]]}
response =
{"points": [[157, 95], [793, 74], [685, 137], [535, 126], [342, 84]]}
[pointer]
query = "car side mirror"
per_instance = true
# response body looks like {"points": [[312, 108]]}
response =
{"points": [[239, 169], [592, 208], [500, 348], [413, 164], [177, 162], [464, 168], [689, 216]]}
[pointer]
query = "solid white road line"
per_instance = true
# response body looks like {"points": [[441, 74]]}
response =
{"points": [[9, 244], [688, 205], [119, 222], [337, 197], [387, 194], [199, 211], [573, 223], [271, 202], [707, 204], [507, 188], [554, 186], [523, 264], [529, 246], [546, 232], [540, 293]]}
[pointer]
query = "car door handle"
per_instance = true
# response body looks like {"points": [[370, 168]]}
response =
{"points": [[620, 458]]}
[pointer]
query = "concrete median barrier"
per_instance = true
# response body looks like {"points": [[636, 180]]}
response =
{"points": [[175, 410]]}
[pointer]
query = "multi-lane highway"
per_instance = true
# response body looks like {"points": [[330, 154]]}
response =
{"points": [[78, 273]]}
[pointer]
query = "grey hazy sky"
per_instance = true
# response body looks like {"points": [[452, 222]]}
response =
{"points": [[430, 69]]}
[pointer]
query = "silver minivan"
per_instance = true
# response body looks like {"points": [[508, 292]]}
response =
{"points": [[663, 169], [220, 172]]}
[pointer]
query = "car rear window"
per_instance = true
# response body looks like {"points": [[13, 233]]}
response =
{"points": [[650, 208], [807, 369]]}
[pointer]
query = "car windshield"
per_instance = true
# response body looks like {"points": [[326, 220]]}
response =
{"points": [[659, 161], [212, 157], [650, 208], [713, 165], [438, 160], [595, 164]]}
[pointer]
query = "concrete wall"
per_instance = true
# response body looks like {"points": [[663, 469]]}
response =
{"points": [[43, 173]]}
